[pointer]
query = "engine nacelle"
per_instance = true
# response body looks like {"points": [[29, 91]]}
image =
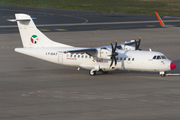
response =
{"points": [[127, 47], [104, 53]]}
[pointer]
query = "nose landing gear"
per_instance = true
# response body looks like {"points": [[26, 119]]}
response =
{"points": [[162, 73]]}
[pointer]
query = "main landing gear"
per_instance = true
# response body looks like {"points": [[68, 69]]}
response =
{"points": [[94, 72]]}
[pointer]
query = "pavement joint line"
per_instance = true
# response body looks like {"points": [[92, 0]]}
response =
{"points": [[177, 102], [143, 100], [91, 97], [125, 99], [41, 95], [161, 101], [58, 96], [74, 97], [108, 98], [74, 92]]}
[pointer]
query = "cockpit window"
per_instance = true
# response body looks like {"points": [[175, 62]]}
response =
{"points": [[154, 57], [158, 57], [163, 57]]}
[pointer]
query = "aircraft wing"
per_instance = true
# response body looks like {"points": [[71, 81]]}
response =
{"points": [[93, 51], [89, 51], [127, 43], [162, 23], [160, 20], [119, 46]]}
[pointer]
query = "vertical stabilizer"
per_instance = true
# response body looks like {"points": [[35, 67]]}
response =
{"points": [[30, 35]]}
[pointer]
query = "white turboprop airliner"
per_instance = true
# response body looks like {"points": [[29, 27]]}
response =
{"points": [[105, 58]]}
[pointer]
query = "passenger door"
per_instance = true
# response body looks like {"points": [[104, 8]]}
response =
{"points": [[60, 58]]}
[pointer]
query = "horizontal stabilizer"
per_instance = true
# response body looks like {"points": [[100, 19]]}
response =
{"points": [[24, 19]]}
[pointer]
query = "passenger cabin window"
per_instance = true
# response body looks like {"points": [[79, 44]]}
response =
{"points": [[120, 58], [86, 56], [125, 58], [89, 57], [74, 56], [78, 56], [132, 59], [129, 59], [70, 55], [82, 56]]}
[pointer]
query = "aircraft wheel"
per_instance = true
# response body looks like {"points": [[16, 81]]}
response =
{"points": [[164, 74], [92, 73]]}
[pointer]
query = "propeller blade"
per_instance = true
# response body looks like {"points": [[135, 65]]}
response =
{"points": [[139, 43], [135, 44], [112, 59], [111, 45], [115, 46], [114, 54], [115, 60]]}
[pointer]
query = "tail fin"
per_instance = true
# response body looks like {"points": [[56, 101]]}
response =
{"points": [[30, 35], [160, 20]]}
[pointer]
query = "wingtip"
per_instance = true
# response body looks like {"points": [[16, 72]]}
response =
{"points": [[160, 20]]}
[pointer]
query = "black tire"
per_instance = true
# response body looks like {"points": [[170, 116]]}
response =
{"points": [[105, 72], [162, 75]]}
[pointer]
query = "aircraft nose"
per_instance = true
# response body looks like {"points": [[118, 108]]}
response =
{"points": [[172, 66]]}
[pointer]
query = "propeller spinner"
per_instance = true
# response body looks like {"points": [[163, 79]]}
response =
{"points": [[114, 54]]}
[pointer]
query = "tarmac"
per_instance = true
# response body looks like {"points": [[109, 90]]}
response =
{"points": [[34, 89]]}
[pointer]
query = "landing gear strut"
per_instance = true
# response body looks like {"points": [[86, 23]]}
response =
{"points": [[92, 72]]}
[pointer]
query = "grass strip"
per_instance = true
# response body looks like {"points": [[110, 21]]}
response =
{"points": [[163, 7]]}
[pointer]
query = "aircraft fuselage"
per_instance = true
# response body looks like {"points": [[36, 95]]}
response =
{"points": [[126, 59]]}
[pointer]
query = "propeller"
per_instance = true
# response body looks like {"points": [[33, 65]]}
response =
{"points": [[137, 44], [114, 54]]}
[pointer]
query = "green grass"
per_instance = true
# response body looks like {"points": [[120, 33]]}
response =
{"points": [[163, 7]]}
